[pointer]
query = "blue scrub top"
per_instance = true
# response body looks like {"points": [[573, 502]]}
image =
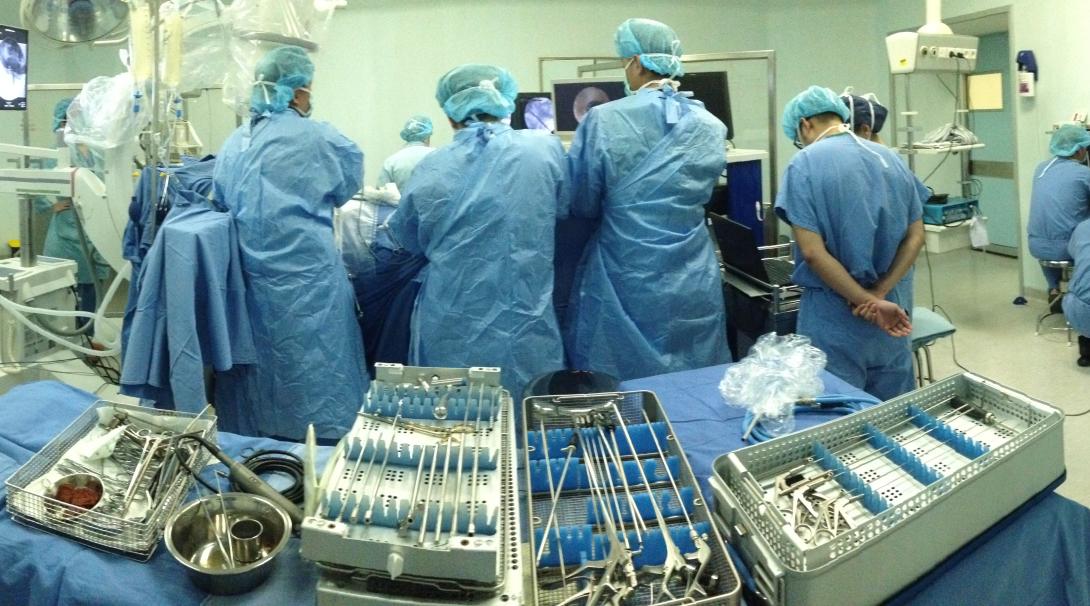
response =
{"points": [[399, 167], [1076, 304], [62, 239], [1060, 201], [1079, 250], [860, 198], [839, 189]]}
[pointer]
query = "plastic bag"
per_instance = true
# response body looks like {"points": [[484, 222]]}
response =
{"points": [[356, 222], [978, 231], [106, 114], [258, 26], [779, 371], [205, 56]]}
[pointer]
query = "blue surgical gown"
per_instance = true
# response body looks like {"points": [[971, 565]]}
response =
{"points": [[860, 198], [1060, 201], [1077, 302], [190, 183], [190, 312], [399, 166], [483, 211], [647, 297], [280, 176]]}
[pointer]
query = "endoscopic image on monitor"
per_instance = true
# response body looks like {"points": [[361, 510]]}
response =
{"points": [[13, 68], [575, 98], [534, 111]]}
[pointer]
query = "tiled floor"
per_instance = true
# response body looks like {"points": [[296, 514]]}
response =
{"points": [[996, 339]]}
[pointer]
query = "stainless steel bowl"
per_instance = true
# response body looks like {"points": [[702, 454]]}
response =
{"points": [[199, 535], [66, 511]]}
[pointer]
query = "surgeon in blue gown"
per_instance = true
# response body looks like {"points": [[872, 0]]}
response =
{"points": [[483, 210], [1076, 304], [855, 210], [647, 297], [280, 175], [1060, 200]]}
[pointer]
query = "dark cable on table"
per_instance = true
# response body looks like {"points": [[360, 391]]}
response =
{"points": [[245, 479], [281, 462], [196, 475]]}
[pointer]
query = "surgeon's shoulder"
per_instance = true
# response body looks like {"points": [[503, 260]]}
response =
{"points": [[539, 142], [1080, 169], [707, 119], [233, 141], [332, 133], [308, 132], [887, 152], [625, 106], [440, 166]]}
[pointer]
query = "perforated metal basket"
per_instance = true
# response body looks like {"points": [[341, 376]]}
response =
{"points": [[572, 510], [931, 488], [395, 559], [131, 538]]}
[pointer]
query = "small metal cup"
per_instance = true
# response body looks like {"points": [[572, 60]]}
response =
{"points": [[246, 540]]}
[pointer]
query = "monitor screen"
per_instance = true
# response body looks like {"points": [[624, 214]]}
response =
{"points": [[13, 66], [574, 98], [534, 111], [712, 89]]}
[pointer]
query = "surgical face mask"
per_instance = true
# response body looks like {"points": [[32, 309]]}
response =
{"points": [[310, 105], [627, 87], [797, 142]]}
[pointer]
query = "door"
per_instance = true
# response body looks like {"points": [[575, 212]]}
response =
{"points": [[992, 167]]}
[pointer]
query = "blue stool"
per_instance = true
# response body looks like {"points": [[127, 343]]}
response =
{"points": [[927, 327], [1065, 268]]}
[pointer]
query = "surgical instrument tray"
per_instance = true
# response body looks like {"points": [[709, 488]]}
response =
{"points": [[419, 498], [146, 474], [853, 510], [615, 514]]}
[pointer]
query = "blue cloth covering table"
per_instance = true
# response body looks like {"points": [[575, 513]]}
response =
{"points": [[1042, 558]]}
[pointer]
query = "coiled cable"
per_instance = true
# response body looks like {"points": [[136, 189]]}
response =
{"points": [[278, 462], [835, 404]]}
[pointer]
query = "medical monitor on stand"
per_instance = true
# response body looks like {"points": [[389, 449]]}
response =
{"points": [[13, 68], [574, 98], [713, 90]]}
